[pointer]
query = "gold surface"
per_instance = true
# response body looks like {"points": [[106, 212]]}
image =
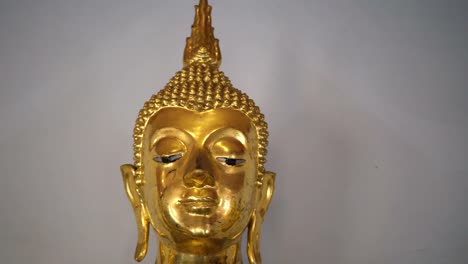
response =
{"points": [[199, 151]]}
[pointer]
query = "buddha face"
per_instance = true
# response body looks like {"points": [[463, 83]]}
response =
{"points": [[200, 177]]}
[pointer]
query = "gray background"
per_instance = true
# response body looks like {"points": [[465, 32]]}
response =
{"points": [[366, 101]]}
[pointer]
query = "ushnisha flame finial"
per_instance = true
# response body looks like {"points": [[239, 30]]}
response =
{"points": [[202, 46]]}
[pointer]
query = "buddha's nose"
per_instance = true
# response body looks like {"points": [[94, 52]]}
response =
{"points": [[198, 178]]}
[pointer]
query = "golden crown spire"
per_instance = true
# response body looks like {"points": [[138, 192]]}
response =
{"points": [[202, 46]]}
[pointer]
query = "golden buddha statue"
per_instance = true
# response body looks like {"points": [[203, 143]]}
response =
{"points": [[199, 151]]}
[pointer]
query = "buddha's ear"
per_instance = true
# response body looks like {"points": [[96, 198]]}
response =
{"points": [[266, 187], [141, 216]]}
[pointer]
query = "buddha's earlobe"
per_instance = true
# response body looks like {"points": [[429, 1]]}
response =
{"points": [[265, 191], [141, 216]]}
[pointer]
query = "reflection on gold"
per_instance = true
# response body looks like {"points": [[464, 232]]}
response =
{"points": [[198, 177]]}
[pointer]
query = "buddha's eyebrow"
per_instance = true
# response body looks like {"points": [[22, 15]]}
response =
{"points": [[227, 132], [167, 132]]}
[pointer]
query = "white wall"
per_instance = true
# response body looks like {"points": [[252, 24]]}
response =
{"points": [[366, 102]]}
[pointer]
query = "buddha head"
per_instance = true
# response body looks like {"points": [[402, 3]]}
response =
{"points": [[199, 151]]}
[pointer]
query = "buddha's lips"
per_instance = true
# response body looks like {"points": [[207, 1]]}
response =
{"points": [[199, 206], [199, 200], [205, 197]]}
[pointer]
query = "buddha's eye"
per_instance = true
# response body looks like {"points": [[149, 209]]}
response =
{"points": [[231, 162], [168, 159]]}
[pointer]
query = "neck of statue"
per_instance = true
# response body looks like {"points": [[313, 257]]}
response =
{"points": [[232, 255]]}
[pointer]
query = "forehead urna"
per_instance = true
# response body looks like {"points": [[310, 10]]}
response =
{"points": [[199, 148]]}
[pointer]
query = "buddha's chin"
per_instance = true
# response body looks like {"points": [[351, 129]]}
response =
{"points": [[199, 225], [204, 246], [200, 232]]}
